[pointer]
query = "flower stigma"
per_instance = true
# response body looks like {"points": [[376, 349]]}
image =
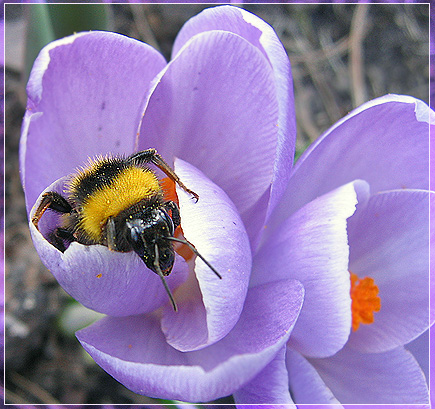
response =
{"points": [[365, 300]]}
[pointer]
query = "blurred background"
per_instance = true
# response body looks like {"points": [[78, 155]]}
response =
{"points": [[341, 54]]}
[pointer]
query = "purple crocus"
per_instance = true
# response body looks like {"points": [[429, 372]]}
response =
{"points": [[222, 113], [385, 143]]}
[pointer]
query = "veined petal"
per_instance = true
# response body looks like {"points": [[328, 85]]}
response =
{"points": [[392, 377], [432, 365], [134, 351], [86, 87], [306, 385], [384, 142], [109, 282], [208, 312], [261, 35], [432, 150], [418, 406], [311, 246], [269, 387], [389, 241], [432, 258], [219, 114]]}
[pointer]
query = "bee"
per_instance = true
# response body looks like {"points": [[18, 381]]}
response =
{"points": [[119, 202]]}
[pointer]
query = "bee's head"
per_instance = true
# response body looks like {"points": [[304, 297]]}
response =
{"points": [[147, 233]]}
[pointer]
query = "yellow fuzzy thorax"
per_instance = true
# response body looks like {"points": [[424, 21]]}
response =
{"points": [[128, 188]]}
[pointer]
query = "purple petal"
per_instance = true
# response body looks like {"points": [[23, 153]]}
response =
{"points": [[85, 97], [419, 348], [389, 241], [261, 35], [432, 146], [213, 225], [384, 406], [108, 282], [306, 385], [311, 246], [432, 260], [133, 349], [219, 114], [270, 387], [432, 365], [329, 406], [384, 142], [389, 377]]}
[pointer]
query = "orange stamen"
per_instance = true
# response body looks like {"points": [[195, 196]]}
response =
{"points": [[168, 188], [169, 192], [365, 300]]}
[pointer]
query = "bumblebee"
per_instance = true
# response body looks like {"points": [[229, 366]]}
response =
{"points": [[118, 202]]}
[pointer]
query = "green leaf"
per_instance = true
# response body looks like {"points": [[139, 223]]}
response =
{"points": [[68, 19], [48, 22], [39, 33]]}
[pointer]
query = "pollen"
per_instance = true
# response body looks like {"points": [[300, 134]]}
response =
{"points": [[365, 300]]}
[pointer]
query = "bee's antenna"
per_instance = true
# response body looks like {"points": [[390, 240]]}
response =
{"points": [[192, 247], [160, 274]]}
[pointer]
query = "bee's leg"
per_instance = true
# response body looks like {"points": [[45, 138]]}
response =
{"points": [[53, 201], [175, 213], [58, 236], [111, 234], [151, 156]]}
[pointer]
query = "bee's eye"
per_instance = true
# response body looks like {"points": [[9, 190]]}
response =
{"points": [[168, 224]]}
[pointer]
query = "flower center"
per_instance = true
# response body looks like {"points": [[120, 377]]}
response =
{"points": [[168, 187], [365, 300]]}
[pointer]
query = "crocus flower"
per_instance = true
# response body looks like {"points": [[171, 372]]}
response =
{"points": [[385, 143], [221, 111]]}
